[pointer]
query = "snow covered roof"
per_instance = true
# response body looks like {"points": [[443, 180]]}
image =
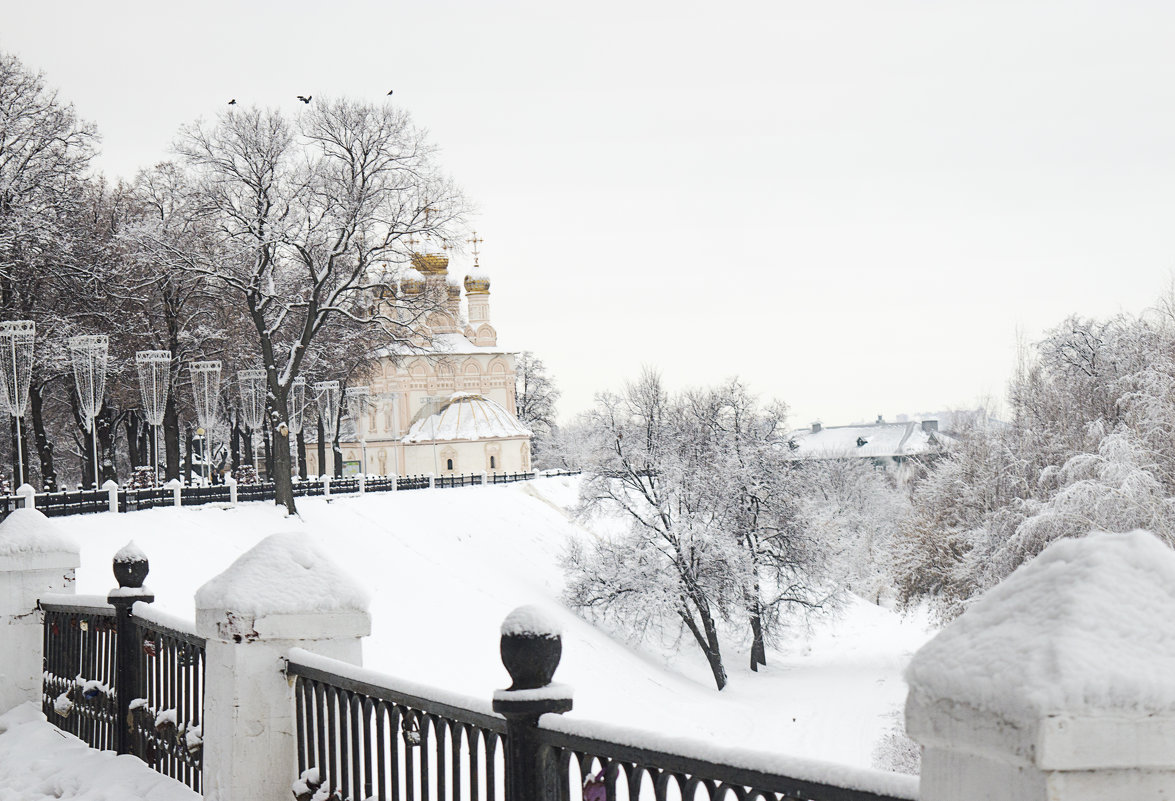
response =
{"points": [[1084, 628], [875, 440], [466, 416]]}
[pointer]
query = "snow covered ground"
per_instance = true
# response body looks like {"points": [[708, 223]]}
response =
{"points": [[39, 762], [444, 567]]}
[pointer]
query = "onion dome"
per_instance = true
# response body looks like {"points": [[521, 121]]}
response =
{"points": [[412, 282], [454, 286], [431, 259], [477, 282]]}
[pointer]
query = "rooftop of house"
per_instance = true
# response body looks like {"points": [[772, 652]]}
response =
{"points": [[869, 440]]}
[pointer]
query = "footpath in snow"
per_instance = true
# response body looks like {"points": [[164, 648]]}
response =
{"points": [[39, 762], [444, 568]]}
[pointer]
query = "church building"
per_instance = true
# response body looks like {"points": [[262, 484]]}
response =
{"points": [[450, 408]]}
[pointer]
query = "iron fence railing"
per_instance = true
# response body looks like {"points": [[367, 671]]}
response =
{"points": [[78, 682], [89, 676], [363, 740], [412, 482], [167, 726], [55, 504], [198, 496], [395, 741]]}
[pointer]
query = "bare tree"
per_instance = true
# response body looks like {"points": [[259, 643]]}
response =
{"points": [[536, 396], [313, 217]]}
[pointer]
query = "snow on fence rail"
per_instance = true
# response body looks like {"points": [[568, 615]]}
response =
{"points": [[58, 504]]}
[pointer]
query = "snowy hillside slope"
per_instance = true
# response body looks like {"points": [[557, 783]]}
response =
{"points": [[444, 567]]}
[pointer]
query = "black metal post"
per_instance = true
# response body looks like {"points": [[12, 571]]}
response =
{"points": [[130, 569], [531, 658]]}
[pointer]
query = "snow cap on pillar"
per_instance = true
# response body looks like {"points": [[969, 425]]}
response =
{"points": [[277, 589], [29, 539], [1046, 664]]}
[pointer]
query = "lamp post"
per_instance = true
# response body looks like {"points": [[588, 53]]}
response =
{"points": [[252, 388], [154, 368], [89, 355], [326, 397], [206, 394], [356, 405], [16, 370], [297, 403]]}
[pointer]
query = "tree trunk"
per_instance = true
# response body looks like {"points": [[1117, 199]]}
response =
{"points": [[247, 443], [44, 446], [338, 452], [133, 439], [235, 452], [758, 651], [271, 437], [105, 425], [171, 437], [321, 448], [283, 482], [188, 448], [302, 455], [706, 637]]}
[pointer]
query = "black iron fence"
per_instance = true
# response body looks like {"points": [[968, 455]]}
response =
{"points": [[56, 504], [78, 683], [369, 741], [126, 681], [357, 739]]}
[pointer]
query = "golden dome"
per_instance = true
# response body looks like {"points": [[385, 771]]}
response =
{"points": [[477, 282], [412, 282], [431, 263]]}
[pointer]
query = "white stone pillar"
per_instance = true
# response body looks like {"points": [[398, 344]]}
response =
{"points": [[285, 592], [111, 488], [28, 496], [175, 486], [362, 484], [35, 559], [231, 483], [432, 481], [326, 486], [1055, 685], [485, 478]]}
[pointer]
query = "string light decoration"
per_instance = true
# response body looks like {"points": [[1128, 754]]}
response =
{"points": [[90, 355], [297, 405], [206, 394], [16, 371], [252, 388], [326, 398], [154, 369], [357, 403]]}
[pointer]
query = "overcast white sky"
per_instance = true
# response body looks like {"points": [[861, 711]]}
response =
{"points": [[853, 204]]}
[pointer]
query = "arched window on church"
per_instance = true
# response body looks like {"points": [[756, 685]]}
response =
{"points": [[448, 464], [492, 465]]}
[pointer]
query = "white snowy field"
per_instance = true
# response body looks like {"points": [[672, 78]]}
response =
{"points": [[444, 567]]}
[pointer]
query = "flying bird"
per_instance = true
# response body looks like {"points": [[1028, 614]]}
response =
{"points": [[232, 102], [305, 99], [390, 92]]}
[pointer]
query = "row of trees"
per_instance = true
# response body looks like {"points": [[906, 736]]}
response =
{"points": [[270, 242], [1088, 447], [725, 533]]}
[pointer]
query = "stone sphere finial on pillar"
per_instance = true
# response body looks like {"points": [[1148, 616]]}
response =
{"points": [[131, 566]]}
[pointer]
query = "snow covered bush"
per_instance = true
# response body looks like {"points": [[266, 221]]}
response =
{"points": [[246, 474]]}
